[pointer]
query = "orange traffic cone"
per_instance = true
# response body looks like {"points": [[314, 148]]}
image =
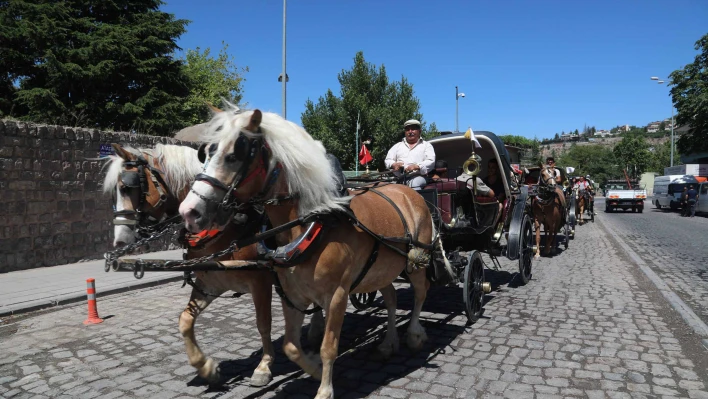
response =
{"points": [[92, 309]]}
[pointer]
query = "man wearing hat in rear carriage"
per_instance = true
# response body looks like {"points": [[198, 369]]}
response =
{"points": [[412, 155]]}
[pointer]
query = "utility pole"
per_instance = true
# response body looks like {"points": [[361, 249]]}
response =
{"points": [[285, 75]]}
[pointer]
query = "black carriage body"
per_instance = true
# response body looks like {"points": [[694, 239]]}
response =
{"points": [[450, 199]]}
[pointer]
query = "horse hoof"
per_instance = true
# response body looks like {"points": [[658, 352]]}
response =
{"points": [[537, 257], [261, 378], [386, 349], [415, 341], [210, 371]]}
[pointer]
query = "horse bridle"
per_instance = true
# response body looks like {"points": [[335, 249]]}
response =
{"points": [[137, 180], [245, 151]]}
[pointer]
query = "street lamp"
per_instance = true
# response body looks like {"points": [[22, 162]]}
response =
{"points": [[284, 76], [672, 122], [457, 109]]}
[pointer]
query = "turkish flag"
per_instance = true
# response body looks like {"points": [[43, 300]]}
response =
{"points": [[364, 155]]}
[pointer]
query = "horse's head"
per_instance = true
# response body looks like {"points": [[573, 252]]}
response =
{"points": [[236, 164], [547, 177], [143, 187]]}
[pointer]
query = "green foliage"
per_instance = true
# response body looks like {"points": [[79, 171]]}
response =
{"points": [[383, 106], [596, 160], [210, 80], [632, 154], [690, 96], [105, 64], [660, 157]]}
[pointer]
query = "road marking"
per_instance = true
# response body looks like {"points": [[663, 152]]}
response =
{"points": [[698, 326]]}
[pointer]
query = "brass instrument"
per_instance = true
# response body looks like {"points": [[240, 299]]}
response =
{"points": [[472, 165], [566, 183]]}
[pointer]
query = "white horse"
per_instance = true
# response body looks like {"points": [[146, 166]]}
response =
{"points": [[168, 173], [262, 158]]}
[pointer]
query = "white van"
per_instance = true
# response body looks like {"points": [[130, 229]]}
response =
{"points": [[668, 189]]}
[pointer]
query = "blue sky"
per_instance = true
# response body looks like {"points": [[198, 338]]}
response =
{"points": [[532, 67]]}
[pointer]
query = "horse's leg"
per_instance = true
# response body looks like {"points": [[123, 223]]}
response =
{"points": [[291, 342], [416, 333], [548, 232], [390, 343], [537, 225], [206, 367], [262, 295], [330, 344], [315, 332]]}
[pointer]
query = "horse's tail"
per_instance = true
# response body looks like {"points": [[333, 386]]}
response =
{"points": [[437, 242]]}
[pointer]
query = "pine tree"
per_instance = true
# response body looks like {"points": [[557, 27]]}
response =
{"points": [[105, 64]]}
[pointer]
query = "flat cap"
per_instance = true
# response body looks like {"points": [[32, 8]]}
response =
{"points": [[412, 122]]}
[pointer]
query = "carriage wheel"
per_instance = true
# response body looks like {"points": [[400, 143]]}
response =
{"points": [[362, 301], [525, 250], [473, 290], [566, 231]]}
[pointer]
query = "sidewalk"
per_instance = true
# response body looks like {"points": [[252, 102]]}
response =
{"points": [[27, 290]]}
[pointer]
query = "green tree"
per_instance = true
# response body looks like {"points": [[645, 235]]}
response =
{"points": [[210, 80], [633, 154], [596, 160], [556, 137], [660, 157], [105, 64], [381, 105], [662, 126], [689, 92]]}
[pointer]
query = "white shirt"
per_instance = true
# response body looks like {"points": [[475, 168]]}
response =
{"points": [[422, 154], [582, 185]]}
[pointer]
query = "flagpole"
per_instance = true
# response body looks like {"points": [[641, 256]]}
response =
{"points": [[356, 145]]}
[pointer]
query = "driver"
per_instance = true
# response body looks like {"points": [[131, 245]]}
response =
{"points": [[591, 185], [413, 154]]}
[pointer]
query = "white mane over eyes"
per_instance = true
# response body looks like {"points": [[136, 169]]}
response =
{"points": [[307, 169]]}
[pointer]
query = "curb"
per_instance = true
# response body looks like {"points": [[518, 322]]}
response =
{"points": [[67, 299], [687, 314]]}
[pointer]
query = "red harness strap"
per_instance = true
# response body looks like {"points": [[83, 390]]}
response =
{"points": [[195, 240], [304, 243]]}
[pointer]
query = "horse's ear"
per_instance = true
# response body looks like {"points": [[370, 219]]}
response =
{"points": [[121, 152], [255, 121], [213, 108], [201, 153]]}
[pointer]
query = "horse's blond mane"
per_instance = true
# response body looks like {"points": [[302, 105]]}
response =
{"points": [[307, 170], [179, 163]]}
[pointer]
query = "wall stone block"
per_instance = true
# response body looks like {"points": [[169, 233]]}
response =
{"points": [[52, 209]]}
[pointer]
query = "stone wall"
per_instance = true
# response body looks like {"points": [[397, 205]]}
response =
{"points": [[52, 209]]}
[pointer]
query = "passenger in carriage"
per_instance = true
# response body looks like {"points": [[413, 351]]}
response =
{"points": [[413, 154], [494, 180], [483, 190]]}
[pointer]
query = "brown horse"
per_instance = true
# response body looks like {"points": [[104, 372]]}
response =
{"points": [[262, 158], [169, 172], [548, 210], [580, 202]]}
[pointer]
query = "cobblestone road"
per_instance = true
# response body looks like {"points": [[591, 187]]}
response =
{"points": [[589, 324], [673, 246]]}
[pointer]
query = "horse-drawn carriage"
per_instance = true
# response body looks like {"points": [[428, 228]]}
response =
{"points": [[541, 191], [328, 245], [472, 224]]}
